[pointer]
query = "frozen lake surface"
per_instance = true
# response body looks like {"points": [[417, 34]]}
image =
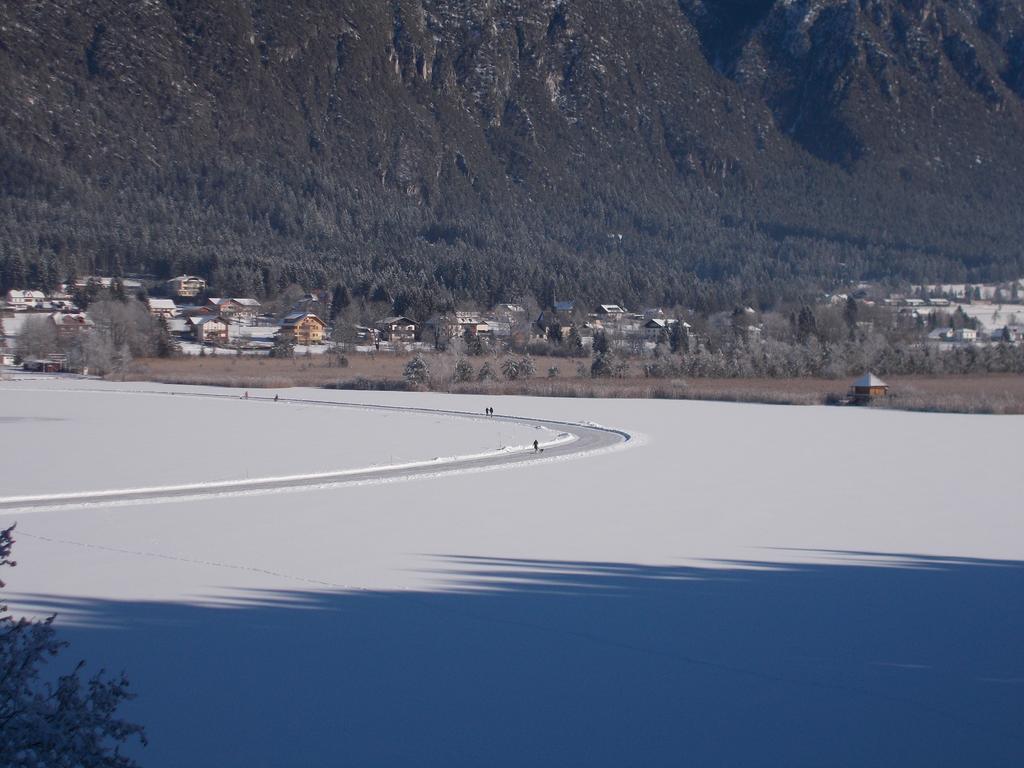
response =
{"points": [[740, 585], [63, 440]]}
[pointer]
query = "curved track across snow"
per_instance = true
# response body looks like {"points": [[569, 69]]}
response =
{"points": [[572, 439]]}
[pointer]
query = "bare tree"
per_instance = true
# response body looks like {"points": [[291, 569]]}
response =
{"points": [[38, 338]]}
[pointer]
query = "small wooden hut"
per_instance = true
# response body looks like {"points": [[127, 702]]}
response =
{"points": [[868, 387]]}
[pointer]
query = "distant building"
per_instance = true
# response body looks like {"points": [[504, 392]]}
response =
{"points": [[71, 323], [610, 311], [304, 327], [186, 286], [22, 300], [162, 308], [43, 366], [241, 311], [653, 328], [867, 387], [400, 329], [210, 328]]}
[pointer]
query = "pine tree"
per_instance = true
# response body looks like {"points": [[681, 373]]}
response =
{"points": [[600, 343], [474, 344], [463, 370], [69, 721], [340, 301], [166, 344], [417, 371], [486, 373], [850, 312], [574, 343], [284, 345]]}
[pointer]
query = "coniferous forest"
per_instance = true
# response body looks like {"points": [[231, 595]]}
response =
{"points": [[700, 153]]}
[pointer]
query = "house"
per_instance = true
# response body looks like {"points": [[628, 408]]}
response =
{"points": [[162, 308], [611, 311], [397, 329], [960, 335], [210, 328], [240, 311], [867, 387], [450, 324], [1008, 333], [71, 323], [304, 327], [23, 300], [509, 313], [654, 327], [186, 286], [43, 366]]}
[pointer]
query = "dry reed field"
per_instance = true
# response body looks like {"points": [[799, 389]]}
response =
{"points": [[989, 393]]}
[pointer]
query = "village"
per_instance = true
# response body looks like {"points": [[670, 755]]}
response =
{"points": [[187, 318]]}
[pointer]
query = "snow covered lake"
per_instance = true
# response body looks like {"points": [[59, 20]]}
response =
{"points": [[139, 436], [738, 585]]}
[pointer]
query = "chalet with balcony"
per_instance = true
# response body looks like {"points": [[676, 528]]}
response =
{"points": [[239, 311], [398, 329], [20, 301], [186, 286], [304, 327]]}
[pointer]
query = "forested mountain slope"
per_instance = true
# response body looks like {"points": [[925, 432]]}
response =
{"points": [[695, 151]]}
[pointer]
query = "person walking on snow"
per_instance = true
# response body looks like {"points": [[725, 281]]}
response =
{"points": [[536, 446], [246, 395]]}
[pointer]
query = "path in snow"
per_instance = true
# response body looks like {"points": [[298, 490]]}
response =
{"points": [[572, 439]]}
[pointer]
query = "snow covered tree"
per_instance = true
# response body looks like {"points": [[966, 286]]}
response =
{"points": [[527, 368], [70, 723], [474, 344], [38, 338], [166, 344], [416, 371], [486, 373], [463, 370], [573, 342], [284, 345], [510, 368]]}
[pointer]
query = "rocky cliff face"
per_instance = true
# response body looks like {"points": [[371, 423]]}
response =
{"points": [[609, 140]]}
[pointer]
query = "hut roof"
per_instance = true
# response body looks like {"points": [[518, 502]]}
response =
{"points": [[869, 380]]}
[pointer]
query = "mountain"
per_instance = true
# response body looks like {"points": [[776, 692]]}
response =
{"points": [[694, 151]]}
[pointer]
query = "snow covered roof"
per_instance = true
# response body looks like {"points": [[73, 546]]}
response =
{"points": [[869, 380], [162, 304], [399, 320], [204, 319], [296, 317]]}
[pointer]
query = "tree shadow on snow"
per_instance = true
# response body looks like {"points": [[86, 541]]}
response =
{"points": [[861, 660]]}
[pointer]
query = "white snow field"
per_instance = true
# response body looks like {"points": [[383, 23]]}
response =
{"points": [[84, 439], [738, 585]]}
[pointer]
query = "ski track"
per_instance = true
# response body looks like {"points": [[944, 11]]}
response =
{"points": [[573, 440]]}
